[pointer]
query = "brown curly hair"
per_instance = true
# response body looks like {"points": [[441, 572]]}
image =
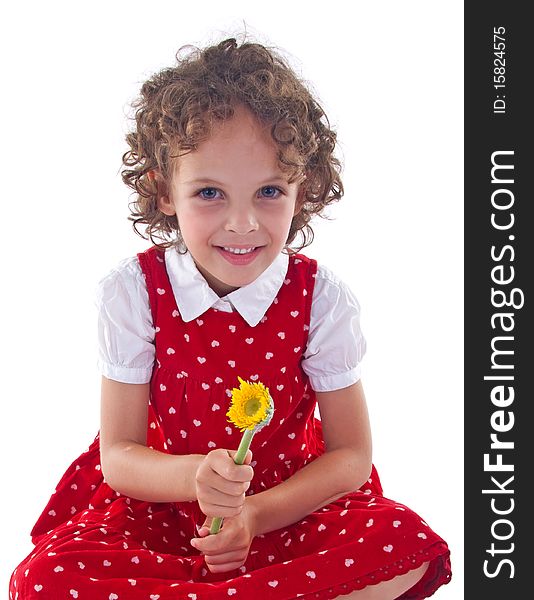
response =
{"points": [[178, 106]]}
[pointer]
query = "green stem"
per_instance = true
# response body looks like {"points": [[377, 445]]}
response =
{"points": [[239, 459]]}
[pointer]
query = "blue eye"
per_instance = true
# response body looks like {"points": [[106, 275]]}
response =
{"points": [[269, 191], [209, 193]]}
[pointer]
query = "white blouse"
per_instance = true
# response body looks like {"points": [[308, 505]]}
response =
{"points": [[126, 332]]}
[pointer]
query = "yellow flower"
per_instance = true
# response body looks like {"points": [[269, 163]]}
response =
{"points": [[250, 410], [251, 406]]}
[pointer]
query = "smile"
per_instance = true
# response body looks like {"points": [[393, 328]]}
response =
{"points": [[239, 256], [239, 250]]}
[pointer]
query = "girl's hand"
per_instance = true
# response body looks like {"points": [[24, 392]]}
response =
{"points": [[228, 549], [221, 484]]}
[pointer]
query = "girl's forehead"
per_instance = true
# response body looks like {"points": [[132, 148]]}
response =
{"points": [[243, 128], [240, 142]]}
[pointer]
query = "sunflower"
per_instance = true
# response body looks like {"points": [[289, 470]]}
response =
{"points": [[251, 406], [251, 409]]}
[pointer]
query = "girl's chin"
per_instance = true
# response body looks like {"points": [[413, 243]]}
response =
{"points": [[223, 285]]}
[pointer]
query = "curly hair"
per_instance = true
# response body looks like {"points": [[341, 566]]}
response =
{"points": [[178, 106]]}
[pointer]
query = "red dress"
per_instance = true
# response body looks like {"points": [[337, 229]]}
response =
{"points": [[94, 543]]}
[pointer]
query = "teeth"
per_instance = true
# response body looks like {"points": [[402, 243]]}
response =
{"points": [[238, 250]]}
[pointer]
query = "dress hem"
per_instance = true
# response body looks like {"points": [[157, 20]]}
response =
{"points": [[434, 577]]}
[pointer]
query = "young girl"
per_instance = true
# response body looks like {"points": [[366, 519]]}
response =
{"points": [[230, 158]]}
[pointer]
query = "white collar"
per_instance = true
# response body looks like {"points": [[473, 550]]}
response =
{"points": [[194, 296]]}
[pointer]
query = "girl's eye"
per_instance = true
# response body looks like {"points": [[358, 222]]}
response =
{"points": [[269, 191], [209, 193]]}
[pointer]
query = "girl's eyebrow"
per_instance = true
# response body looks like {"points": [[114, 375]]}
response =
{"points": [[209, 180]]}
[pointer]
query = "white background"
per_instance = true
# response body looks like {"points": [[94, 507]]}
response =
{"points": [[390, 76]]}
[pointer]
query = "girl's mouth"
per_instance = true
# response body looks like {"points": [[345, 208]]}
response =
{"points": [[239, 256]]}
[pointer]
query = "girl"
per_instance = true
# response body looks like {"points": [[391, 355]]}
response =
{"points": [[230, 158]]}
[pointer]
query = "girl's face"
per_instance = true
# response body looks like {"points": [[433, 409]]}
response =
{"points": [[233, 203]]}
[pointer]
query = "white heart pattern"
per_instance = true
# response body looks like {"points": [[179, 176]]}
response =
{"points": [[58, 569], [269, 355], [273, 584], [311, 574], [349, 562], [388, 548], [249, 340], [214, 344], [201, 359], [73, 593], [396, 523]]}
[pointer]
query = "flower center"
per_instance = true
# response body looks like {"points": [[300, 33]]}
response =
{"points": [[252, 406]]}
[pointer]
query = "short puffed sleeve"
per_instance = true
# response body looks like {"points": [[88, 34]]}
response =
{"points": [[125, 329], [336, 344]]}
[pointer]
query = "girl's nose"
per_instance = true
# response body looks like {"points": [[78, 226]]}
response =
{"points": [[241, 221]]}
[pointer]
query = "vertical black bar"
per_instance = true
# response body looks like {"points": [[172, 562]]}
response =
{"points": [[499, 252]]}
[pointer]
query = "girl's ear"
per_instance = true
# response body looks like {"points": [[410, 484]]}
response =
{"points": [[166, 205], [164, 202]]}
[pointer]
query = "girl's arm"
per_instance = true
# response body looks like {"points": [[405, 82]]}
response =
{"points": [[128, 466], [343, 468]]}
